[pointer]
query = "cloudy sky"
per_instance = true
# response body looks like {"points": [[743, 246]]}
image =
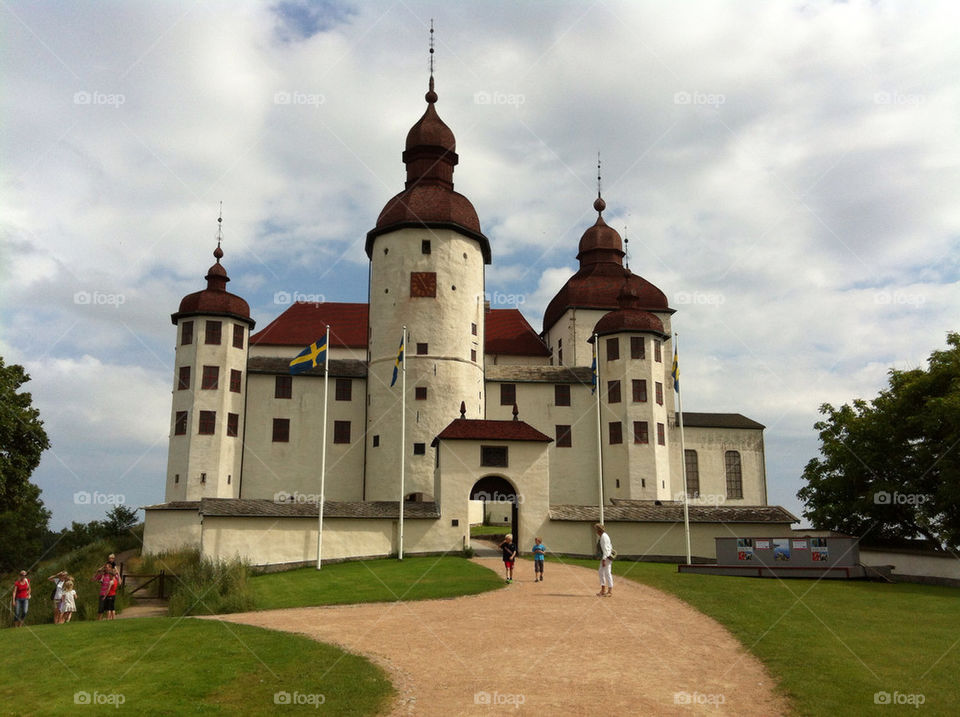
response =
{"points": [[787, 174]]}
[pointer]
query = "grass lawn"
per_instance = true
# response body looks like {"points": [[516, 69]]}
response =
{"points": [[172, 666], [481, 530], [832, 644], [372, 581]]}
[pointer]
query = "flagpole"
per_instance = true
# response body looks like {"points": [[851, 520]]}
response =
{"points": [[323, 448], [596, 362], [683, 451], [403, 432]]}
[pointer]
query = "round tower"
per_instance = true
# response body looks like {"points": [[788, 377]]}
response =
{"points": [[209, 389], [427, 257]]}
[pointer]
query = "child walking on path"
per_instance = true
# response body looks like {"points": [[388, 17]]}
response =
{"points": [[539, 551], [509, 551], [68, 602]]}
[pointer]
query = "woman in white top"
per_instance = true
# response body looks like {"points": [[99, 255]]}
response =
{"points": [[606, 562]]}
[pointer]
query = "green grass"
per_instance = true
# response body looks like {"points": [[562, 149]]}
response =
{"points": [[372, 581], [481, 530], [832, 644], [163, 666]]}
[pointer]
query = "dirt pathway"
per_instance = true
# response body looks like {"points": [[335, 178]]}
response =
{"points": [[546, 648]]}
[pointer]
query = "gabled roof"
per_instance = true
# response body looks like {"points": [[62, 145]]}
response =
{"points": [[468, 429], [719, 420], [508, 333], [305, 322]]}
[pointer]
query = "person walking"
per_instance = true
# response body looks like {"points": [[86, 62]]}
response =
{"points": [[539, 553], [109, 600], [605, 548], [20, 599], [509, 551], [58, 580], [104, 577], [68, 602]]}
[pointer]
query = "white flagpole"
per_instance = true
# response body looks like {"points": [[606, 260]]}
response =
{"points": [[683, 451], [403, 432], [323, 448], [596, 360]]}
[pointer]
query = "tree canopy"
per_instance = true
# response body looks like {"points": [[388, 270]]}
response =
{"points": [[890, 468]]}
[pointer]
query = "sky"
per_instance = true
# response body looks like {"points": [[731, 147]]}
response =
{"points": [[786, 173]]}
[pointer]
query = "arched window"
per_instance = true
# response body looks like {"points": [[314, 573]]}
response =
{"points": [[734, 475]]}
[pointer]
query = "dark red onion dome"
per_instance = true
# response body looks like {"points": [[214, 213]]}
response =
{"points": [[600, 281], [215, 300], [630, 317], [428, 199]]}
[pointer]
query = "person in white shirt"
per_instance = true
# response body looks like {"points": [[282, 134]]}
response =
{"points": [[606, 562]]}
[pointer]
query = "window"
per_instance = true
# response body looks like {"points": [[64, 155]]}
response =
{"points": [[423, 284], [473, 355], [734, 476], [613, 349], [656, 351], [236, 378], [560, 352], [640, 432], [659, 391], [176, 478], [211, 377], [376, 441], [186, 333], [233, 424], [561, 394], [341, 431], [212, 335], [281, 430], [508, 394], [344, 389], [613, 391], [208, 423], [637, 347], [419, 449], [616, 432], [639, 390], [473, 329], [283, 387], [564, 437], [693, 473], [238, 336], [661, 435], [425, 246], [495, 456], [183, 382], [180, 424], [421, 349], [420, 393]]}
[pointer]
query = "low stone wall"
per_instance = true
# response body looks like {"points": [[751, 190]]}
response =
{"points": [[915, 566]]}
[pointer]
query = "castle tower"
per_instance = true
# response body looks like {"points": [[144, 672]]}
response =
{"points": [[209, 389], [427, 257]]}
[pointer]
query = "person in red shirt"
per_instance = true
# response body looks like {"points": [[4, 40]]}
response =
{"points": [[20, 599], [110, 598]]}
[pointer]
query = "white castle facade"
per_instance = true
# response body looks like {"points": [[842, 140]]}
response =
{"points": [[501, 420]]}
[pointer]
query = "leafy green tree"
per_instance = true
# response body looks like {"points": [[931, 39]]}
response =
{"points": [[119, 520], [890, 468], [23, 519]]}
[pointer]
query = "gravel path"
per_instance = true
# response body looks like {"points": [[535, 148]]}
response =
{"points": [[546, 648]]}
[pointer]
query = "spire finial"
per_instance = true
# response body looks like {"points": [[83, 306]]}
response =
{"points": [[516, 412], [599, 204], [463, 409], [626, 246], [431, 96], [218, 252]]}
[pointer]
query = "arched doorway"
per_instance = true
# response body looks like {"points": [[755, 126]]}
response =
{"points": [[500, 497]]}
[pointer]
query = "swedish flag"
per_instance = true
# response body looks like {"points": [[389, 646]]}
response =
{"points": [[396, 366], [593, 372], [310, 357], [675, 373]]}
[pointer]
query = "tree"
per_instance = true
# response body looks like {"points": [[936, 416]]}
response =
{"points": [[890, 468], [23, 519], [119, 520]]}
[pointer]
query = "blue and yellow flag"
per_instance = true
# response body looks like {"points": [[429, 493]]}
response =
{"points": [[310, 357], [676, 372], [396, 366], [593, 372]]}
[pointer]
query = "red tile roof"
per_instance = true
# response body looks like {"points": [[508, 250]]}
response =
{"points": [[472, 429], [303, 323], [507, 332]]}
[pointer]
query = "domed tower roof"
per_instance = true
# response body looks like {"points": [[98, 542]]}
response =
{"points": [[630, 317], [215, 300], [602, 277], [428, 199]]}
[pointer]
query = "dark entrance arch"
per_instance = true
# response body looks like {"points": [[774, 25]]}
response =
{"points": [[496, 489]]}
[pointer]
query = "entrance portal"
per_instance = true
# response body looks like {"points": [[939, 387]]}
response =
{"points": [[499, 498]]}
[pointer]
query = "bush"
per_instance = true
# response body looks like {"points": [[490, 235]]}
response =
{"points": [[207, 587]]}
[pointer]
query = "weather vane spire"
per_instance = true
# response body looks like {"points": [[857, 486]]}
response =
{"points": [[431, 48], [598, 174], [218, 252], [598, 203], [626, 246]]}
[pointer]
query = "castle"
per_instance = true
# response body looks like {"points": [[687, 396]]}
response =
{"points": [[503, 423]]}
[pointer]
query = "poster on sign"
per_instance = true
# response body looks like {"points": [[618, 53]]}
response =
{"points": [[781, 549], [800, 544], [818, 550], [744, 548], [761, 544]]}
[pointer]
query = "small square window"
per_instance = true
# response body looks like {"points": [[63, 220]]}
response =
{"points": [[425, 246], [639, 390], [640, 432], [180, 424], [344, 389], [376, 441], [473, 355], [613, 391], [283, 387], [281, 430], [494, 456], [561, 394], [238, 336], [212, 334], [183, 382], [341, 431], [211, 377], [564, 436], [233, 424], [236, 379], [186, 333], [421, 349], [637, 347], [508, 394], [420, 393], [613, 349], [419, 449], [176, 478], [208, 423], [616, 432]]}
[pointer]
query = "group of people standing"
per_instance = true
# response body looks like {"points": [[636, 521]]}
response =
{"points": [[64, 595], [604, 548]]}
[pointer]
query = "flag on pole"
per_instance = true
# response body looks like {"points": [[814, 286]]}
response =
{"points": [[310, 357], [396, 366], [676, 371], [593, 373]]}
